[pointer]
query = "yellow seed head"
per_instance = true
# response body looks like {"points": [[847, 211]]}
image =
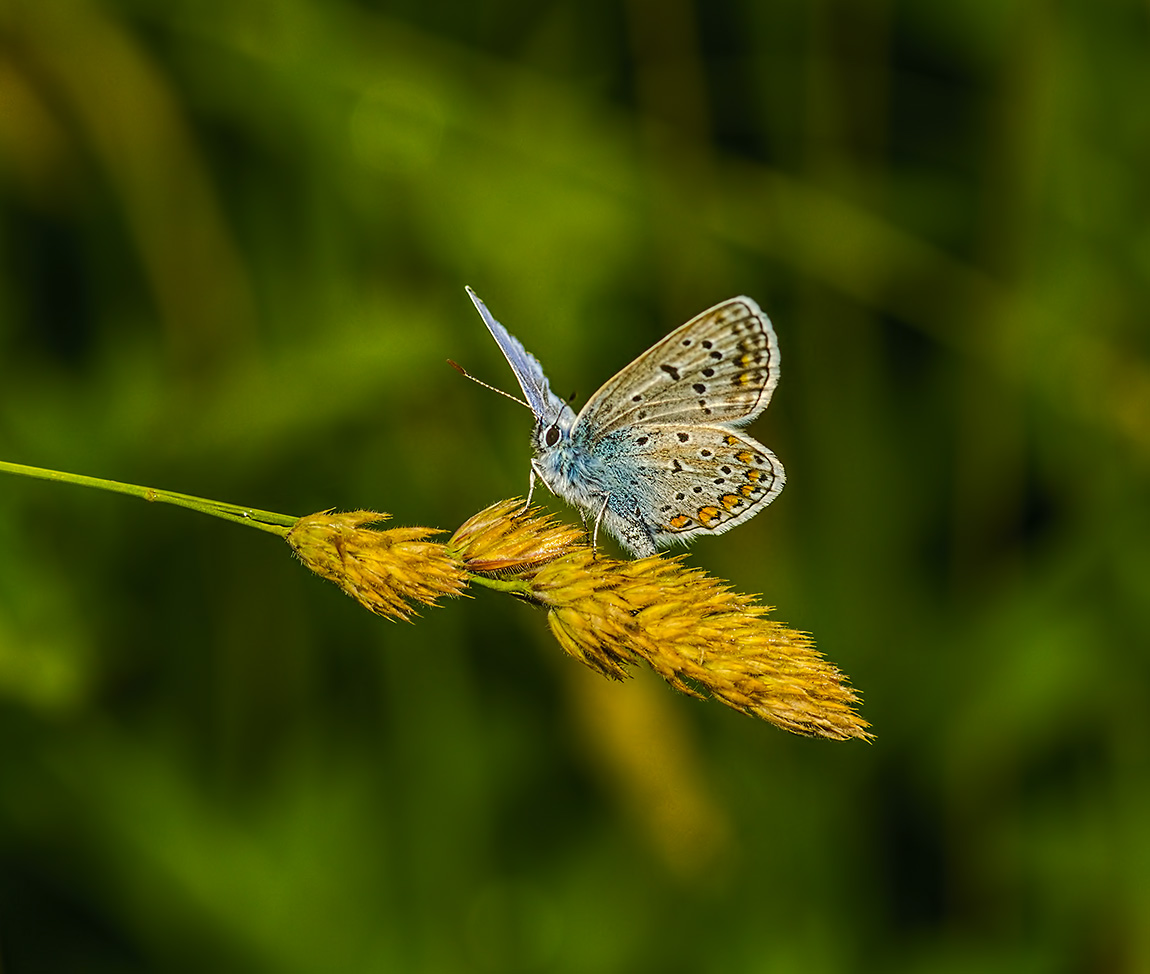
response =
{"points": [[385, 571], [696, 634], [507, 540], [609, 614]]}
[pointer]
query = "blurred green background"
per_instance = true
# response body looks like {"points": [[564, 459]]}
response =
{"points": [[234, 242]]}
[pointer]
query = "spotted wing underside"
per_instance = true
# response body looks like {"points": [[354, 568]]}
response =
{"points": [[719, 368], [707, 480]]}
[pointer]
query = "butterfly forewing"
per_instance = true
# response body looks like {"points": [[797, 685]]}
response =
{"points": [[528, 371], [719, 368]]}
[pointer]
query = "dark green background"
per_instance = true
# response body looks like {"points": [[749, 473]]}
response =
{"points": [[234, 243]]}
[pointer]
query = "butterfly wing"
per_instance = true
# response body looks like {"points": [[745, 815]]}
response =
{"points": [[528, 371], [719, 368], [704, 480]]}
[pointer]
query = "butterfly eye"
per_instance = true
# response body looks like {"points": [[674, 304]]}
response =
{"points": [[552, 436]]}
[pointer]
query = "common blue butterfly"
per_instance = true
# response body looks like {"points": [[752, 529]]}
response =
{"points": [[655, 455]]}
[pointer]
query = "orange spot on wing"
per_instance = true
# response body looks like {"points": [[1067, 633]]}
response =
{"points": [[708, 515], [731, 501], [678, 522]]}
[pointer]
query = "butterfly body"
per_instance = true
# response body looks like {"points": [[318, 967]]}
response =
{"points": [[655, 455]]}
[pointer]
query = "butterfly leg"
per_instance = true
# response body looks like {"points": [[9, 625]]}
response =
{"points": [[531, 488], [535, 476], [598, 520]]}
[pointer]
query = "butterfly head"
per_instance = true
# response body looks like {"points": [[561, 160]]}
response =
{"points": [[553, 430]]}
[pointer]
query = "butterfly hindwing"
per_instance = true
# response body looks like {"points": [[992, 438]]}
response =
{"points": [[707, 480]]}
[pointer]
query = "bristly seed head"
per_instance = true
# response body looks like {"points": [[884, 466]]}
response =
{"points": [[507, 540], [696, 634], [608, 614], [385, 571]]}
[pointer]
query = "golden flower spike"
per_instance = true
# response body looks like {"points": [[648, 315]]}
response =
{"points": [[688, 627], [385, 571], [695, 633], [609, 614], [506, 540]]}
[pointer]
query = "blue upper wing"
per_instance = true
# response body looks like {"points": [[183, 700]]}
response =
{"points": [[543, 402]]}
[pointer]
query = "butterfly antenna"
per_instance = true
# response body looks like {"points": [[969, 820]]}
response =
{"points": [[462, 371]]}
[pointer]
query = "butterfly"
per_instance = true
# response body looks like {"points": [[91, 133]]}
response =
{"points": [[655, 456]]}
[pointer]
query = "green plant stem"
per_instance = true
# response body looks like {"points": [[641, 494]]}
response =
{"points": [[262, 520], [512, 586]]}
